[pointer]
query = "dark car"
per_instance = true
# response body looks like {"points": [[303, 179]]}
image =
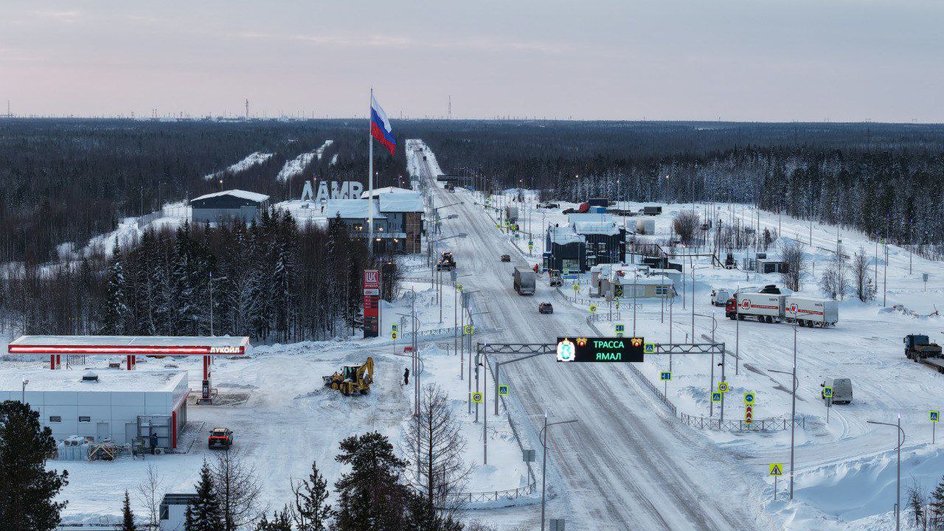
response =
{"points": [[505, 258], [545, 307], [220, 438]]}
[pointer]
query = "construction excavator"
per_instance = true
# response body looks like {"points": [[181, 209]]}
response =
{"points": [[352, 378]]}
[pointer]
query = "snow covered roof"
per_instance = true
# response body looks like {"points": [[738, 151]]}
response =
{"points": [[385, 190], [351, 209], [242, 194], [402, 202], [109, 380], [607, 228], [564, 235]]}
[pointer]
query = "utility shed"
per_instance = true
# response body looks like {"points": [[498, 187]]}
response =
{"points": [[228, 205], [104, 404]]}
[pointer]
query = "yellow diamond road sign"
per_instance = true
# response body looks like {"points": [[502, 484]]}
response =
{"points": [[776, 469]]}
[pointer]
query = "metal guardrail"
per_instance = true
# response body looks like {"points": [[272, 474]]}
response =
{"points": [[765, 425]]}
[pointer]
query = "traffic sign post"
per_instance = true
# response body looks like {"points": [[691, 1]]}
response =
{"points": [[934, 416], [665, 376], [776, 470], [828, 396], [503, 390], [649, 348], [723, 387], [477, 397], [716, 396]]}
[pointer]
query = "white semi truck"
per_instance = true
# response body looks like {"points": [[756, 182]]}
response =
{"points": [[775, 308]]}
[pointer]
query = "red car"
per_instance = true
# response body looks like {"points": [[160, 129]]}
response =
{"points": [[220, 438]]}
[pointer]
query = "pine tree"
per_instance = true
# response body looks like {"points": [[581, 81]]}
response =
{"points": [[936, 507], [371, 497], [281, 521], [205, 514], [311, 510], [127, 517], [27, 489], [117, 314]]}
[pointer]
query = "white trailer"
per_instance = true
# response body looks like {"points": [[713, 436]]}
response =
{"points": [[765, 307], [811, 312]]}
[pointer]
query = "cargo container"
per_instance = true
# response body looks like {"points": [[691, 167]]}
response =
{"points": [[764, 307], [524, 280], [811, 312]]}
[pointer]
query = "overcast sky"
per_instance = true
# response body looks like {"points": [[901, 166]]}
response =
{"points": [[764, 60]]}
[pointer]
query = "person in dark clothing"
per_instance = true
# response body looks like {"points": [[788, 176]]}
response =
{"points": [[153, 442], [406, 376]]}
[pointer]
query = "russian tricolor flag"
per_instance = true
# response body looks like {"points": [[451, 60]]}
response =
{"points": [[380, 127]]}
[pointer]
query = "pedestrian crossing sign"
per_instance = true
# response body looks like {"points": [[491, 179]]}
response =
{"points": [[503, 390], [394, 327], [476, 397], [716, 396], [776, 469], [827, 392], [649, 348], [934, 415]]}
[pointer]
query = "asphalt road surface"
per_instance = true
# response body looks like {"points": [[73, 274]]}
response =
{"points": [[627, 463]]}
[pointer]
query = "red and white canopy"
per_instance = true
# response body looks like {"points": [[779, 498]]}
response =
{"points": [[131, 345]]}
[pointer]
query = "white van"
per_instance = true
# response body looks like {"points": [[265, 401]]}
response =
{"points": [[842, 390]]}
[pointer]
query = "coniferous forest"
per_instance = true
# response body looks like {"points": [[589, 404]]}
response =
{"points": [[66, 181]]}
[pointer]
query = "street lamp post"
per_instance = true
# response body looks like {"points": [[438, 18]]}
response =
{"points": [[23, 396], [544, 461], [792, 407], [901, 441]]}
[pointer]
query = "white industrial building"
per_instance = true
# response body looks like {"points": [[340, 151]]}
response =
{"points": [[104, 404]]}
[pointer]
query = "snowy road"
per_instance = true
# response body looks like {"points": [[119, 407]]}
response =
{"points": [[626, 463]]}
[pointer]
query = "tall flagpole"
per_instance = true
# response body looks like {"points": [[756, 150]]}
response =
{"points": [[370, 177]]}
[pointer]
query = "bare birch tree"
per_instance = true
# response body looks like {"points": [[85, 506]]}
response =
{"points": [[238, 490], [434, 439], [150, 492]]}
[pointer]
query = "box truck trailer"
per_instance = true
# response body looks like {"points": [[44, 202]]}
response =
{"points": [[811, 312]]}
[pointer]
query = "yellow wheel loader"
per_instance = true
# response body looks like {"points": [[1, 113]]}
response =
{"points": [[352, 378]]}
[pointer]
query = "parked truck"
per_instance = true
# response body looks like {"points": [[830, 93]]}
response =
{"points": [[769, 307], [918, 347], [524, 280]]}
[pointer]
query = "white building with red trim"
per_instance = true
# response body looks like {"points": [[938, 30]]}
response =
{"points": [[104, 404]]}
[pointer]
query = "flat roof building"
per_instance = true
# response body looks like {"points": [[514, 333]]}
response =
{"points": [[105, 404], [228, 205]]}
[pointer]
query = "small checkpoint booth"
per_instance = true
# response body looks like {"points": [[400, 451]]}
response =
{"points": [[131, 347]]}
